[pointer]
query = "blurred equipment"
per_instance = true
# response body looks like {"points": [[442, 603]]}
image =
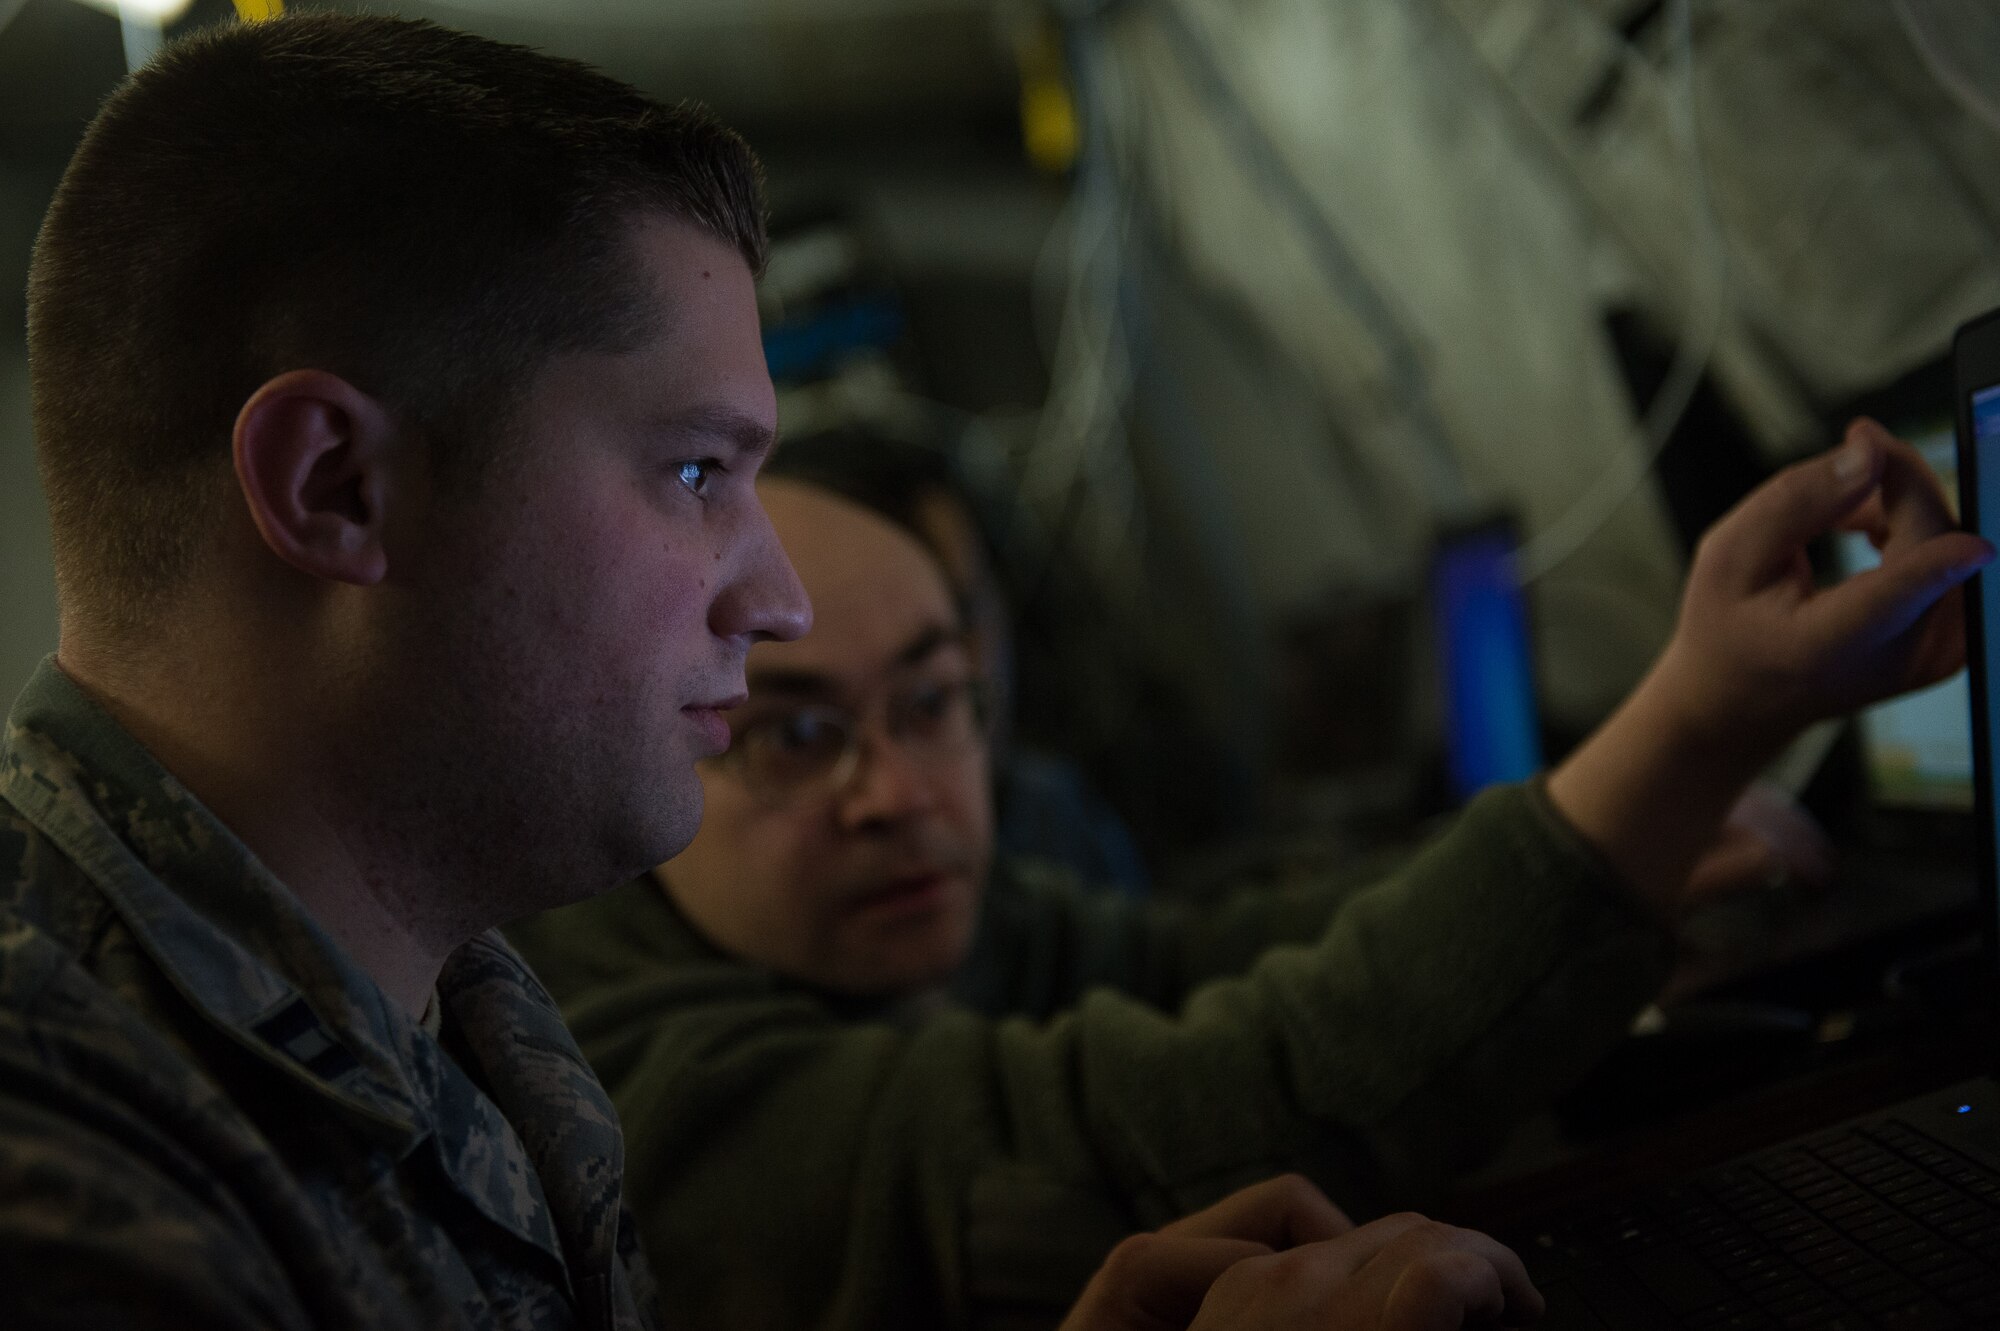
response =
{"points": [[1340, 275], [1492, 725]]}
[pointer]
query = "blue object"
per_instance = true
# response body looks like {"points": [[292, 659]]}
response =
{"points": [[800, 349], [1492, 727]]}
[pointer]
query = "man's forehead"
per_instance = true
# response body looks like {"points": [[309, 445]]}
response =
{"points": [[875, 588], [804, 674], [696, 307]]}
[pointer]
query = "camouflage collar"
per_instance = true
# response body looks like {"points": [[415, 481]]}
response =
{"points": [[243, 952]]}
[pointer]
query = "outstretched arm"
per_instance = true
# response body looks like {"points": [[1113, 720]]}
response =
{"points": [[1760, 652]]}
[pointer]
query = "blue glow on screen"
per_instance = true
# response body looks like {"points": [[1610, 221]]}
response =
{"points": [[1492, 732], [1918, 748], [1985, 437]]}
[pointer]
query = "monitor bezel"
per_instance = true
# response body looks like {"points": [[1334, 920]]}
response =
{"points": [[1975, 368]]}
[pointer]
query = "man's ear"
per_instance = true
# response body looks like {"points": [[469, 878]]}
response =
{"points": [[315, 458]]}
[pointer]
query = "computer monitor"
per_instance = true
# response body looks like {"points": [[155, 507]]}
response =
{"points": [[1492, 727]]}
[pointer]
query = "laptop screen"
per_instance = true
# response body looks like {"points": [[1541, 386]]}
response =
{"points": [[1917, 749], [1985, 414]]}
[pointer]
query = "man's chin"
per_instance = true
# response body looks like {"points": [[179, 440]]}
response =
{"points": [[671, 822], [918, 961], [889, 979]]}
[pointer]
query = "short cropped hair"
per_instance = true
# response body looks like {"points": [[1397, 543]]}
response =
{"points": [[428, 214]]}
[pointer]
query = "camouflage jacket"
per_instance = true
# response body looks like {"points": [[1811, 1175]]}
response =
{"points": [[210, 1117]]}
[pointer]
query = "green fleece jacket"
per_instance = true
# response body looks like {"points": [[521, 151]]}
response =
{"points": [[1102, 1066]]}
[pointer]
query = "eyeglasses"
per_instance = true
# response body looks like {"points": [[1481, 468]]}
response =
{"points": [[814, 749]]}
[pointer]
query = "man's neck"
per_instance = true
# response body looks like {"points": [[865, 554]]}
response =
{"points": [[251, 766]]}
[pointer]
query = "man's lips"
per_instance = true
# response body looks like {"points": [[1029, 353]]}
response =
{"points": [[904, 893], [711, 726]]}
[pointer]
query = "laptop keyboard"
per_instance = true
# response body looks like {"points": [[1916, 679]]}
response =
{"points": [[1878, 1226]]}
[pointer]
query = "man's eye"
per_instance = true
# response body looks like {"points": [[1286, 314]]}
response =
{"points": [[932, 703], [800, 733], [934, 709], [696, 474]]}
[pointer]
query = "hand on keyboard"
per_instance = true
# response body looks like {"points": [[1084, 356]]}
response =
{"points": [[1279, 1257]]}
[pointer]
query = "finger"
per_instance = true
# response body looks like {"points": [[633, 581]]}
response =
{"points": [[1759, 537], [1156, 1280], [1442, 1275], [1796, 839], [1523, 1302], [1914, 504], [1443, 1292], [1869, 518], [1281, 1212], [1873, 607], [1739, 861], [1338, 1259]]}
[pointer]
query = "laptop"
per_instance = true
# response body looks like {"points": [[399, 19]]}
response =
{"points": [[1888, 1220]]}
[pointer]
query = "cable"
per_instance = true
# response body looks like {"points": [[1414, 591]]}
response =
{"points": [[1591, 511], [1973, 28], [1336, 259], [1560, 539]]}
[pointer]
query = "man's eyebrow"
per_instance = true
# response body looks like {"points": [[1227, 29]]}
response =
{"points": [[746, 435], [812, 684], [928, 642]]}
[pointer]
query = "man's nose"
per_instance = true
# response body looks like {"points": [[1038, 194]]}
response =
{"points": [[890, 782], [764, 598]]}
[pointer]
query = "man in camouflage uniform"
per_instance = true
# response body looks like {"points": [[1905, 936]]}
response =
{"points": [[262, 1134], [262, 1061]]}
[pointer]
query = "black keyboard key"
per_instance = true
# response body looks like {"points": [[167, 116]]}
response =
{"points": [[1955, 1209], [1884, 1233], [1802, 1307], [1902, 1253], [1839, 1260], [1918, 1315], [1783, 1293], [1889, 1294], [1967, 1284], [1971, 1228], [1983, 1306], [1732, 1319], [1790, 1228], [1926, 1267]]}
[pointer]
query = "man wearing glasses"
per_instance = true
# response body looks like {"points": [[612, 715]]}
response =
{"points": [[951, 1084]]}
